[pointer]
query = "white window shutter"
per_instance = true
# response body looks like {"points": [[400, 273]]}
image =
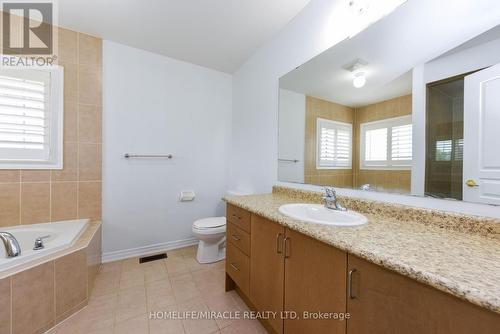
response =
{"points": [[31, 118], [334, 144], [24, 132], [386, 144], [401, 142]]}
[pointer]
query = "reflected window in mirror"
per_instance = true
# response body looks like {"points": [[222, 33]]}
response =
{"points": [[386, 144], [334, 144]]}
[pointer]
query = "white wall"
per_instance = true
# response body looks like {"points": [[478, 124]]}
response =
{"points": [[158, 105], [425, 29], [292, 128]]}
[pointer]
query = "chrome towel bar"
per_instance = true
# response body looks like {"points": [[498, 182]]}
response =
{"points": [[288, 160], [128, 156]]}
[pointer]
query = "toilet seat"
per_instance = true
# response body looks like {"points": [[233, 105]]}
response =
{"points": [[209, 223]]}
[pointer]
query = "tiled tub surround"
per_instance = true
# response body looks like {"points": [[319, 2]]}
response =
{"points": [[456, 254], [37, 196], [37, 295]]}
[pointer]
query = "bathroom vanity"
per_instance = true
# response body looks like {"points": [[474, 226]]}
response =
{"points": [[407, 271]]}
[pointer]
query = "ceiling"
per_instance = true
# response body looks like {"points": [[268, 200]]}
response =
{"points": [[218, 34], [388, 72]]}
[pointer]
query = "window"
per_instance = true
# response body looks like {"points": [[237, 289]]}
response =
{"points": [[333, 144], [386, 144], [31, 118], [448, 150], [443, 150]]}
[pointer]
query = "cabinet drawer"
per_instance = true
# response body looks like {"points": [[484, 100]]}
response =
{"points": [[238, 267], [238, 217], [239, 238]]}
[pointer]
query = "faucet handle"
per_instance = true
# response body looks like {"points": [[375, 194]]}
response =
{"points": [[39, 242], [330, 192]]}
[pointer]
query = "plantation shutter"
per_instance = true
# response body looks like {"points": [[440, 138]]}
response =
{"points": [[334, 144], [401, 142], [24, 115]]}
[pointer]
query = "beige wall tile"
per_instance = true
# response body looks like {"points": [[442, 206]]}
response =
{"points": [[10, 175], [5, 306], [33, 299], [89, 200], [35, 175], [89, 162], [70, 82], [94, 259], [70, 164], [64, 201], [70, 282], [81, 57], [70, 121], [90, 50], [68, 51], [317, 108], [382, 180], [89, 85], [10, 204], [89, 123], [35, 203]]}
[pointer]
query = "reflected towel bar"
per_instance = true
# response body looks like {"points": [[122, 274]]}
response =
{"points": [[288, 160], [127, 156]]}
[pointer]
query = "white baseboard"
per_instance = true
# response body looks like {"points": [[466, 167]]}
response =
{"points": [[145, 250]]}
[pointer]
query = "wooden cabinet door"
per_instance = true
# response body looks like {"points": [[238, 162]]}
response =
{"points": [[267, 268], [315, 281], [384, 302]]}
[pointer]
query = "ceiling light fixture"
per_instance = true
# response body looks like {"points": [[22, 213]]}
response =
{"points": [[359, 79], [358, 69]]}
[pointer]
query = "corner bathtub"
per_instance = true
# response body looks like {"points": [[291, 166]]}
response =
{"points": [[61, 234]]}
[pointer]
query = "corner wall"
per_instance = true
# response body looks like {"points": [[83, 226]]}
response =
{"points": [[157, 105]]}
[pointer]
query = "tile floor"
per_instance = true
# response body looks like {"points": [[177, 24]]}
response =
{"points": [[125, 293]]}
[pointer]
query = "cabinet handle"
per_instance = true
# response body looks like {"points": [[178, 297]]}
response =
{"points": [[236, 216], [236, 237], [287, 253], [279, 249], [349, 283], [234, 267]]}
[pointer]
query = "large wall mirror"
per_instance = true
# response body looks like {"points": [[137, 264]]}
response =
{"points": [[359, 117]]}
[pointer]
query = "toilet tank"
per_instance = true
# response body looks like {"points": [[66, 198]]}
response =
{"points": [[238, 193]]}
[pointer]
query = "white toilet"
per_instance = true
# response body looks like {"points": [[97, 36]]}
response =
{"points": [[212, 235]]}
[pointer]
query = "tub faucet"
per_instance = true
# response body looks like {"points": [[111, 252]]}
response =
{"points": [[11, 245], [331, 200]]}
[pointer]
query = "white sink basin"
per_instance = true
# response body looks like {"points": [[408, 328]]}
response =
{"points": [[317, 213]]}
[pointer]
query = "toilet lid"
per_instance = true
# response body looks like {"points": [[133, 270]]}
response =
{"points": [[211, 222]]}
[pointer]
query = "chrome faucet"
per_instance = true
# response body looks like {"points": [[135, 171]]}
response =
{"points": [[11, 245], [331, 200]]}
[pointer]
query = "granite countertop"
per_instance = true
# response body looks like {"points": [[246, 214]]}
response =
{"points": [[466, 265]]}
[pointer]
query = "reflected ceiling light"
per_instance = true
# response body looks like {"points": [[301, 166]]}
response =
{"points": [[357, 68], [359, 79]]}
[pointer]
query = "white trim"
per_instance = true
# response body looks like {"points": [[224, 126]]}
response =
{"points": [[446, 205], [418, 134], [145, 250]]}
